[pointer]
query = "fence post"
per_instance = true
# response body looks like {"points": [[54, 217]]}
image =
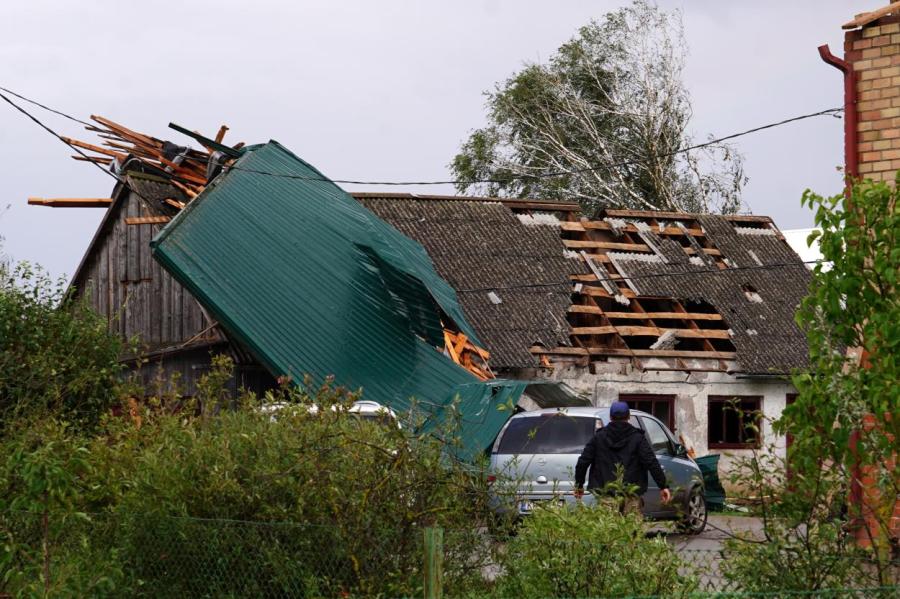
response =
{"points": [[434, 567]]}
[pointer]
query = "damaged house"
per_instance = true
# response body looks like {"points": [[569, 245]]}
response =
{"points": [[250, 251]]}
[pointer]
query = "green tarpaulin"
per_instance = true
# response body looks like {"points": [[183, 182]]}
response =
{"points": [[312, 283]]}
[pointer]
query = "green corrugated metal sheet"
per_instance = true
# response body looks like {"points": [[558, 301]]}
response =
{"points": [[313, 283]]}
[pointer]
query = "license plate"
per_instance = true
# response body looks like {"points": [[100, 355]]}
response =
{"points": [[526, 507]]}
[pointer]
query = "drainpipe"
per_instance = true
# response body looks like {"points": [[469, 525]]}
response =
{"points": [[851, 148]]}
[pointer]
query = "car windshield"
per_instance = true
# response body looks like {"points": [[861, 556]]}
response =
{"points": [[547, 433], [382, 417]]}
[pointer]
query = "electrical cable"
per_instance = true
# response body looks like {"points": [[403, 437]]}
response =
{"points": [[826, 112], [460, 290], [60, 138], [47, 108]]}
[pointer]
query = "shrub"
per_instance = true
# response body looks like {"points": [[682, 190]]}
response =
{"points": [[589, 552], [56, 355], [311, 503]]}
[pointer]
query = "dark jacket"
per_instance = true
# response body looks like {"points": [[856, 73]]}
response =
{"points": [[619, 443]]}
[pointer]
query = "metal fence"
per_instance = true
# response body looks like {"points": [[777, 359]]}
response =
{"points": [[155, 556]]}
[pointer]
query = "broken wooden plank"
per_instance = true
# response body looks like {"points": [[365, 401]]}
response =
{"points": [[600, 292], [592, 278], [126, 133], [174, 203], [93, 148], [707, 251], [96, 159], [71, 202], [606, 245], [221, 133], [575, 309], [147, 220], [585, 225], [607, 330], [646, 353], [637, 331]]}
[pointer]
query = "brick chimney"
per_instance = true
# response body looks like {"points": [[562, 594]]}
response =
{"points": [[872, 49]]}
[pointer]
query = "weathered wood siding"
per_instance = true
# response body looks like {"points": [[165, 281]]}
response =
{"points": [[137, 297]]}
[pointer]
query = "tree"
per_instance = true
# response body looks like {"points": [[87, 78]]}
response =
{"points": [[56, 355], [843, 424], [600, 123]]}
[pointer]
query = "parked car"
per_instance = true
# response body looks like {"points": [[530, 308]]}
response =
{"points": [[537, 451], [363, 409]]}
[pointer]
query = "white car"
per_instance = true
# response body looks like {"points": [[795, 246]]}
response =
{"points": [[363, 409]]}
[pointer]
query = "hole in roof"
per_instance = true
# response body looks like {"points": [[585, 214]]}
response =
{"points": [[751, 293]]}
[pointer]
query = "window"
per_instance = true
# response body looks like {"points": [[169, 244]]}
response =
{"points": [[657, 437], [660, 406], [734, 422], [547, 433]]}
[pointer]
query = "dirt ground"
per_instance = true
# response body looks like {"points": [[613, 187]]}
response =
{"points": [[718, 528]]}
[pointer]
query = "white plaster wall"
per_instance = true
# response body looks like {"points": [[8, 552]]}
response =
{"points": [[691, 391]]}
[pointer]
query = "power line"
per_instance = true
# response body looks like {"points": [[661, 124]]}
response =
{"points": [[47, 108], [568, 284], [463, 290], [827, 112], [62, 139], [561, 173]]}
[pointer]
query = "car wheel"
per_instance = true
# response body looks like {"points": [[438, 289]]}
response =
{"points": [[694, 520]]}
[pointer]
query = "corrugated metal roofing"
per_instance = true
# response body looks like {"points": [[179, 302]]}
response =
{"points": [[480, 245], [311, 282]]}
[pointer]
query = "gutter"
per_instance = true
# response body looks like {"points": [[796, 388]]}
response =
{"points": [[851, 156]]}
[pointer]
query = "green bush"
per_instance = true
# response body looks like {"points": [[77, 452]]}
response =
{"points": [[307, 503], [56, 355], [589, 552]]}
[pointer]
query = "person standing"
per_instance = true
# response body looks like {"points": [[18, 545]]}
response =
{"points": [[620, 447]]}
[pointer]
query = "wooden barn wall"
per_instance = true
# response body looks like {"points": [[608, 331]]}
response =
{"points": [[179, 372], [137, 297]]}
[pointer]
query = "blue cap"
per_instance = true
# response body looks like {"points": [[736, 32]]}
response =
{"points": [[618, 408]]}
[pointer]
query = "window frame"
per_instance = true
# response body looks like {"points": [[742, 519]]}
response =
{"points": [[653, 397], [725, 400]]}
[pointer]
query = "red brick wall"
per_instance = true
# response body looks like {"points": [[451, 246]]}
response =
{"points": [[874, 52]]}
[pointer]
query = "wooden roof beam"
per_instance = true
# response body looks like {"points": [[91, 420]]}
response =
{"points": [[71, 202], [645, 353]]}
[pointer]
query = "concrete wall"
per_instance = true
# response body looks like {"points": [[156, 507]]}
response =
{"points": [[691, 391]]}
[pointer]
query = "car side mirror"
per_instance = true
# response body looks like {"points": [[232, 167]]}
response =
{"points": [[680, 450]]}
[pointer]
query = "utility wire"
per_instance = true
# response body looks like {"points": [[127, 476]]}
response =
{"points": [[827, 112], [47, 108], [471, 289], [60, 138], [561, 173], [569, 284]]}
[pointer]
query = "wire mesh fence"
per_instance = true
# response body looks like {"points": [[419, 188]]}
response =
{"points": [[155, 556]]}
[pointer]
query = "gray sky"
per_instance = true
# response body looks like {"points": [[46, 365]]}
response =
{"points": [[377, 90]]}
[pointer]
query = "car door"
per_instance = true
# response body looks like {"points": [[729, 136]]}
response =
{"points": [[665, 452]]}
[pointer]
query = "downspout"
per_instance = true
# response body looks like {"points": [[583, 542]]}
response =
{"points": [[851, 154], [851, 169]]}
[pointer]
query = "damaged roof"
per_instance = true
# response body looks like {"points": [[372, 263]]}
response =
{"points": [[313, 283], [511, 278]]}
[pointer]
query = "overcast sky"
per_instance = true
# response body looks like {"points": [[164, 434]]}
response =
{"points": [[377, 90]]}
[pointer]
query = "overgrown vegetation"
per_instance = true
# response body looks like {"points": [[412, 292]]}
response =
{"points": [[590, 552], [317, 497], [840, 480], [56, 356]]}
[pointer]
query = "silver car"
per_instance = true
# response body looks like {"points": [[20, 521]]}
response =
{"points": [[538, 450]]}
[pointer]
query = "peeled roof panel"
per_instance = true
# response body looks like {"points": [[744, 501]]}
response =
{"points": [[313, 283]]}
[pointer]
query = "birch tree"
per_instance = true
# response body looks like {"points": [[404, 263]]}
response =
{"points": [[601, 122]]}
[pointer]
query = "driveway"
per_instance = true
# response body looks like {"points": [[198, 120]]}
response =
{"points": [[718, 528]]}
